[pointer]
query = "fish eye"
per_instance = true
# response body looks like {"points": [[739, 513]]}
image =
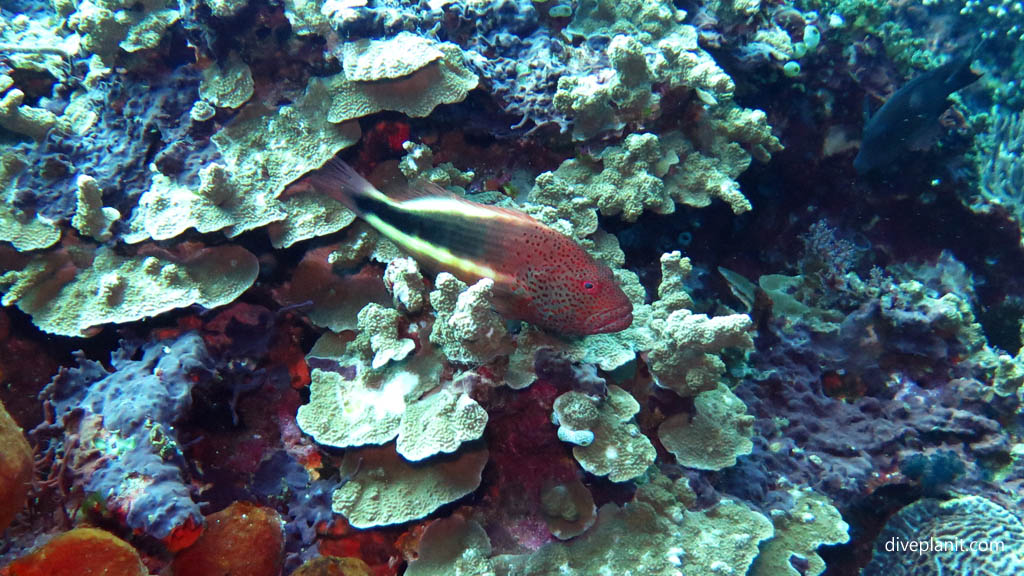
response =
{"points": [[588, 286]]}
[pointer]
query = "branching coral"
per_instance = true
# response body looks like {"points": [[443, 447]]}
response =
{"points": [[379, 326], [685, 354], [405, 283], [92, 218], [419, 163], [655, 173], [685, 358], [109, 26], [998, 158], [20, 118], [467, 329]]}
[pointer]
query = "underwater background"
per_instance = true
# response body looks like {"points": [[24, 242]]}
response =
{"points": [[210, 365]]}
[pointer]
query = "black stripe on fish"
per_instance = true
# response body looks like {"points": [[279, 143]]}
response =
{"points": [[463, 236]]}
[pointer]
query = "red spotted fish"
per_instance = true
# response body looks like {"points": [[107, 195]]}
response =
{"points": [[540, 276]]}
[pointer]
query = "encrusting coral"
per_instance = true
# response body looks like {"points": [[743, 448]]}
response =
{"points": [[608, 441], [382, 488], [428, 74], [74, 292], [809, 523], [713, 437]]}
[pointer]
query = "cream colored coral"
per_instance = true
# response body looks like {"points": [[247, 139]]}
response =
{"points": [[401, 55]]}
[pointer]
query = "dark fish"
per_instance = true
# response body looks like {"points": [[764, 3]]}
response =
{"points": [[911, 113]]}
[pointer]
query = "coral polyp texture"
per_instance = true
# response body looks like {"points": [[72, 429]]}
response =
{"points": [[216, 357]]}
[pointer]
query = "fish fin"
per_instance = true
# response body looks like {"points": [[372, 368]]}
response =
{"points": [[743, 289], [423, 189], [340, 181], [961, 75]]}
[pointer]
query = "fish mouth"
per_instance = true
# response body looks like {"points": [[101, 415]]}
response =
{"points": [[614, 320]]}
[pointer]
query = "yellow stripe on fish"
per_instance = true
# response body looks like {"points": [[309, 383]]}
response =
{"points": [[418, 247]]}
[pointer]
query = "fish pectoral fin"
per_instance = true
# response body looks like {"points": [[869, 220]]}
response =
{"points": [[511, 302]]}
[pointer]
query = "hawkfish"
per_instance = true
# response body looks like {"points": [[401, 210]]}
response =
{"points": [[540, 275]]}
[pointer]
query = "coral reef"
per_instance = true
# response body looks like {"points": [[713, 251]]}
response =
{"points": [[226, 367], [382, 488], [608, 443], [74, 292], [999, 165]]}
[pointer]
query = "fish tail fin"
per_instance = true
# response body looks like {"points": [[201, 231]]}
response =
{"points": [[962, 75], [340, 181]]}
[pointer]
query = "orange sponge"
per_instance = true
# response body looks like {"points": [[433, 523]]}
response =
{"points": [[80, 552], [241, 540], [15, 469]]}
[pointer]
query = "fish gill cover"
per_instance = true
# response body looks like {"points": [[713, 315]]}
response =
{"points": [[211, 364]]}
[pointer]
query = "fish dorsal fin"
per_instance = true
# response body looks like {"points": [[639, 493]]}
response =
{"points": [[421, 189]]}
